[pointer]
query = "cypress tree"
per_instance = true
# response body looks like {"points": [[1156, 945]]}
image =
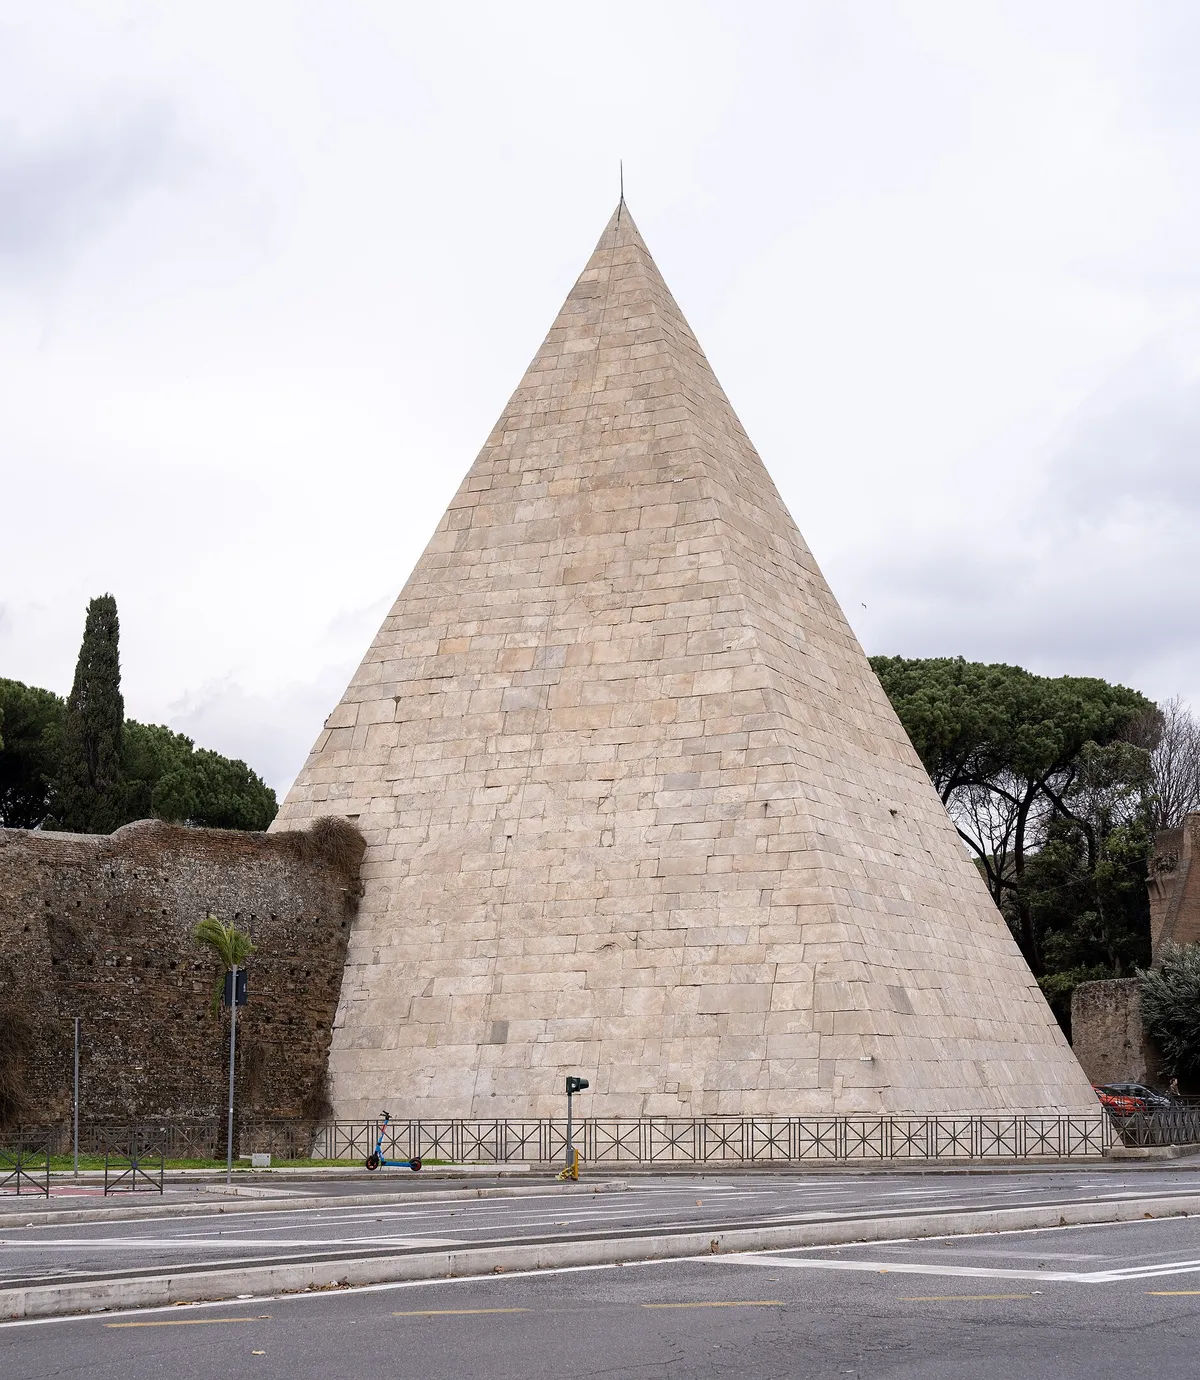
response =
{"points": [[89, 789]]}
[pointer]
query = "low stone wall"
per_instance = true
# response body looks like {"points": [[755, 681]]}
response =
{"points": [[101, 927], [1107, 1034]]}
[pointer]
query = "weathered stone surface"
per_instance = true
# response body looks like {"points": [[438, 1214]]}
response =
{"points": [[1175, 886], [100, 926], [636, 806], [1107, 1034]]}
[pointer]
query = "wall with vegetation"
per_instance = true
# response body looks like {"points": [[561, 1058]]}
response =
{"points": [[100, 926]]}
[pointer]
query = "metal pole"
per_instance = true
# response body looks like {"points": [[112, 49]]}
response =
{"points": [[232, 1039], [570, 1136], [75, 1101]]}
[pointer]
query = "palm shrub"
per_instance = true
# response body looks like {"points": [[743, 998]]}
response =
{"points": [[1170, 996], [228, 944]]}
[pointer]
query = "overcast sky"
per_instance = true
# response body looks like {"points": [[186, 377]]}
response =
{"points": [[268, 273]]}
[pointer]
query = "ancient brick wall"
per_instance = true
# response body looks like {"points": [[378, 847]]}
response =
{"points": [[101, 927], [1107, 1034], [1175, 886], [1106, 1020]]}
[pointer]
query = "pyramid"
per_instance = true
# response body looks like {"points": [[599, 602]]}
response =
{"points": [[636, 806]]}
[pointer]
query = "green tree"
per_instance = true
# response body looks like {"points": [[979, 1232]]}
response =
{"points": [[29, 752], [1086, 884], [1013, 756], [167, 777], [81, 766], [1170, 1001], [88, 792], [229, 945]]}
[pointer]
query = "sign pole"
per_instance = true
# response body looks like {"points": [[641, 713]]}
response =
{"points": [[232, 1042], [570, 1134], [75, 1103], [571, 1168]]}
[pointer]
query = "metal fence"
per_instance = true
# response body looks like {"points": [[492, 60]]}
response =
{"points": [[702, 1140], [1164, 1126], [135, 1159], [178, 1139], [24, 1164], [727, 1141]]}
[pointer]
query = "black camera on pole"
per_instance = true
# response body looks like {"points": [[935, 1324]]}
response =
{"points": [[575, 1085]]}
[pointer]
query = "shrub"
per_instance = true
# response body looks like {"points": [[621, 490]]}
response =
{"points": [[1171, 1008]]}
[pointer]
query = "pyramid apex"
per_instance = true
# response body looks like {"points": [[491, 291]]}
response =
{"points": [[621, 229]]}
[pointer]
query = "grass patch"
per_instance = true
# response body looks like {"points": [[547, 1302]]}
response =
{"points": [[59, 1163]]}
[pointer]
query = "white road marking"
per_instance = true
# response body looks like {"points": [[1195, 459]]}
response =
{"points": [[904, 1267], [897, 1267], [142, 1243], [305, 1297]]}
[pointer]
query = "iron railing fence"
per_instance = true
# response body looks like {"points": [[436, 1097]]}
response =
{"points": [[24, 1163], [179, 1139], [723, 1140], [701, 1140], [1163, 1126], [135, 1159]]}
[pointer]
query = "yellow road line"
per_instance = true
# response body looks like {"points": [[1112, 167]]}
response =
{"points": [[454, 1312], [956, 1298], [733, 1303], [1171, 1293], [190, 1322]]}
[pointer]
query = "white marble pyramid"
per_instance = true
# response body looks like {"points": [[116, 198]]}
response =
{"points": [[636, 806]]}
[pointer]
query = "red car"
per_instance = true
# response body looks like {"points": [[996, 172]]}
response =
{"points": [[1119, 1103]]}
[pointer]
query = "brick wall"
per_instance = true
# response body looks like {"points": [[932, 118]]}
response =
{"points": [[101, 927], [1107, 1033], [1175, 886]]}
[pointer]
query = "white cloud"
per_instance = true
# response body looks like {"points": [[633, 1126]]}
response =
{"points": [[271, 732], [1083, 565], [57, 194]]}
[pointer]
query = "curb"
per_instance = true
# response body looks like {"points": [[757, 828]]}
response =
{"points": [[153, 1291], [67, 1217], [1149, 1152], [243, 1173]]}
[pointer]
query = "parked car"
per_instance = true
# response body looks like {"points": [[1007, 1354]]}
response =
{"points": [[1121, 1104], [1152, 1099]]}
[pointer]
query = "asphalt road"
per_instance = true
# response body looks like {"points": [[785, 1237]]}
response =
{"points": [[1095, 1302], [109, 1249]]}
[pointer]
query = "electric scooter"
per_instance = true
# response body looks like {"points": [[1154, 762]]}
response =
{"points": [[375, 1159]]}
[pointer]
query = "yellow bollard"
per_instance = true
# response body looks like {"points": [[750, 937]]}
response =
{"points": [[570, 1171]]}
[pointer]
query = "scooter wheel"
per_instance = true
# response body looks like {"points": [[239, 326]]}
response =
{"points": [[372, 1161], [414, 1165]]}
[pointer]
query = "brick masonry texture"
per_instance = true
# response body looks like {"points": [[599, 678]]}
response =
{"points": [[1107, 1034], [1175, 886], [1106, 1018], [101, 927], [636, 806]]}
